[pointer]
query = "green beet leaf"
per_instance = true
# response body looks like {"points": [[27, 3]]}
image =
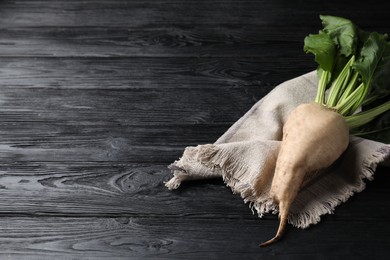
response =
{"points": [[343, 32], [323, 48], [371, 56], [380, 85]]}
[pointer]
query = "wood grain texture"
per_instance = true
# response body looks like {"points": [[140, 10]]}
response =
{"points": [[126, 189], [148, 73], [173, 238], [98, 97], [124, 13], [249, 41], [124, 107], [147, 224], [101, 141], [105, 189]]}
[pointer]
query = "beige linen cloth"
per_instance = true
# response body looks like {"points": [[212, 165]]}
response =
{"points": [[245, 158]]}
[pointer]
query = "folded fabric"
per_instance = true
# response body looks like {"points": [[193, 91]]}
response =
{"points": [[245, 158]]}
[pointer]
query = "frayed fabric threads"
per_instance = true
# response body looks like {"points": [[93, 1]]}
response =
{"points": [[245, 158]]}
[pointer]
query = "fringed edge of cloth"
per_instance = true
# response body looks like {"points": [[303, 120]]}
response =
{"points": [[207, 161]]}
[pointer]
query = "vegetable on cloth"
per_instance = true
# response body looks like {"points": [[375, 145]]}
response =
{"points": [[309, 144], [353, 83]]}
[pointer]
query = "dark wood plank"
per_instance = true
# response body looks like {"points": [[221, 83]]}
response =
{"points": [[102, 141], [255, 76], [124, 107], [106, 189], [222, 41], [125, 189], [189, 13], [37, 135], [181, 238]]}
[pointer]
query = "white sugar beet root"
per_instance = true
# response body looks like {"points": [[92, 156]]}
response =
{"points": [[314, 137], [353, 90]]}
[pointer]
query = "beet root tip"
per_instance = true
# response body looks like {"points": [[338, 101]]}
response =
{"points": [[271, 241], [279, 233]]}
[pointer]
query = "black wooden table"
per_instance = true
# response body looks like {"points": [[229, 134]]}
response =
{"points": [[97, 97]]}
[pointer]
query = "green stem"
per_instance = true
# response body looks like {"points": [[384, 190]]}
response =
{"points": [[369, 100], [363, 95], [344, 107], [363, 118], [340, 83], [350, 87], [362, 133], [324, 78]]}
